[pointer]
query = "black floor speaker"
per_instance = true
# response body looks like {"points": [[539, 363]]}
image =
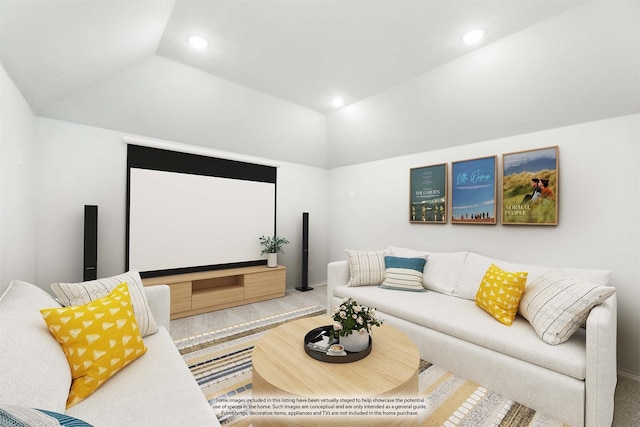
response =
{"points": [[90, 267], [305, 254]]}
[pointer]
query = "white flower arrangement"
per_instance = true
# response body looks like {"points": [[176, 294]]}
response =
{"points": [[350, 317]]}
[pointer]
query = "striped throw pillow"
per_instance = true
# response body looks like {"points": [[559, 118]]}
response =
{"points": [[22, 416], [70, 294], [404, 273], [366, 268], [557, 304]]}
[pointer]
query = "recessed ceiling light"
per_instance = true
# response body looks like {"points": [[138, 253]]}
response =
{"points": [[474, 36], [337, 102], [198, 42]]}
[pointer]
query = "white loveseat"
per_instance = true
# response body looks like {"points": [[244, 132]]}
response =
{"points": [[573, 382], [156, 390]]}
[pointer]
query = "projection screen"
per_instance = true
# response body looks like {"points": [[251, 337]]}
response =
{"points": [[190, 213]]}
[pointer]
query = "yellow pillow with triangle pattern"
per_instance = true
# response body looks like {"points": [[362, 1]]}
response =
{"points": [[99, 339], [500, 293]]}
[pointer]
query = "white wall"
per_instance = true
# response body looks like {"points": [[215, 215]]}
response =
{"points": [[86, 165], [17, 185], [598, 212], [79, 165], [303, 189]]}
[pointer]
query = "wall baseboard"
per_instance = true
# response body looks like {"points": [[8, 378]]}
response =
{"points": [[630, 375], [313, 285]]}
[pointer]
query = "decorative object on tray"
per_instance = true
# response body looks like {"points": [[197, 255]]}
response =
{"points": [[271, 246], [352, 324], [320, 344], [319, 339], [336, 350]]}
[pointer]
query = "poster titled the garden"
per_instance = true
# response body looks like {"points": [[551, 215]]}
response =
{"points": [[530, 187], [428, 194], [473, 194]]}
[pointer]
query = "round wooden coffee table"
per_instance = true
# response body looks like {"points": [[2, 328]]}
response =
{"points": [[283, 370]]}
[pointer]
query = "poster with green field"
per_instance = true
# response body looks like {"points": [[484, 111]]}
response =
{"points": [[530, 187]]}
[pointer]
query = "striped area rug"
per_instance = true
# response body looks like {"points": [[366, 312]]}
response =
{"points": [[220, 361]]}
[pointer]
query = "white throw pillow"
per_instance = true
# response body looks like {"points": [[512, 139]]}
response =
{"points": [[406, 252], [472, 272], [70, 294], [366, 268], [442, 272], [34, 370], [557, 304]]}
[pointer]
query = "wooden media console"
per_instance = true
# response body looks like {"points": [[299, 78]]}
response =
{"points": [[197, 293]]}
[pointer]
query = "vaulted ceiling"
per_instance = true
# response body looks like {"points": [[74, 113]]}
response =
{"points": [[301, 51], [80, 60]]}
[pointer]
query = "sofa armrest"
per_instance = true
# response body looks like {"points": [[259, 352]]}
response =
{"points": [[337, 275], [601, 371], [159, 299]]}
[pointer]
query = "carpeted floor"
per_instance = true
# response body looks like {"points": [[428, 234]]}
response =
{"points": [[224, 322]]}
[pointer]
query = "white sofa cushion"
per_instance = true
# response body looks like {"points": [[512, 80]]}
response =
{"points": [[70, 294], [476, 265], [31, 360], [155, 391], [462, 319], [406, 252]]}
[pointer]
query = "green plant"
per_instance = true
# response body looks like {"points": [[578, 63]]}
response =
{"points": [[351, 317], [272, 245]]}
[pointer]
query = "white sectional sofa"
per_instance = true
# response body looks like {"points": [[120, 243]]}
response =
{"points": [[573, 382], [157, 389]]}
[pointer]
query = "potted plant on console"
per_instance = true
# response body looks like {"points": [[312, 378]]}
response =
{"points": [[271, 246], [352, 323]]}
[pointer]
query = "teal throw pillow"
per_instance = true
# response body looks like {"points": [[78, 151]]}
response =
{"points": [[404, 273]]}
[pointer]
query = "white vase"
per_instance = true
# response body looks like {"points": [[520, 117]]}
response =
{"points": [[355, 341], [272, 260]]}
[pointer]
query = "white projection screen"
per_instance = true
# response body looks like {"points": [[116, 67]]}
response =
{"points": [[191, 213]]}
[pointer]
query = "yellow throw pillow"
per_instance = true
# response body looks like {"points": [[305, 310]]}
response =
{"points": [[99, 339], [500, 292]]}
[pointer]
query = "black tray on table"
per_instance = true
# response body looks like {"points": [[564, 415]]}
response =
{"points": [[323, 357]]}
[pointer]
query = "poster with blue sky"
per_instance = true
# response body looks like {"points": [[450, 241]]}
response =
{"points": [[530, 187], [473, 195]]}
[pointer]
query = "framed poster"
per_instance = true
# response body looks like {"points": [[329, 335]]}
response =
{"points": [[473, 191], [530, 187], [428, 195]]}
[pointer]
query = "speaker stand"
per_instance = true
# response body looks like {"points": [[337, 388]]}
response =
{"points": [[305, 254]]}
